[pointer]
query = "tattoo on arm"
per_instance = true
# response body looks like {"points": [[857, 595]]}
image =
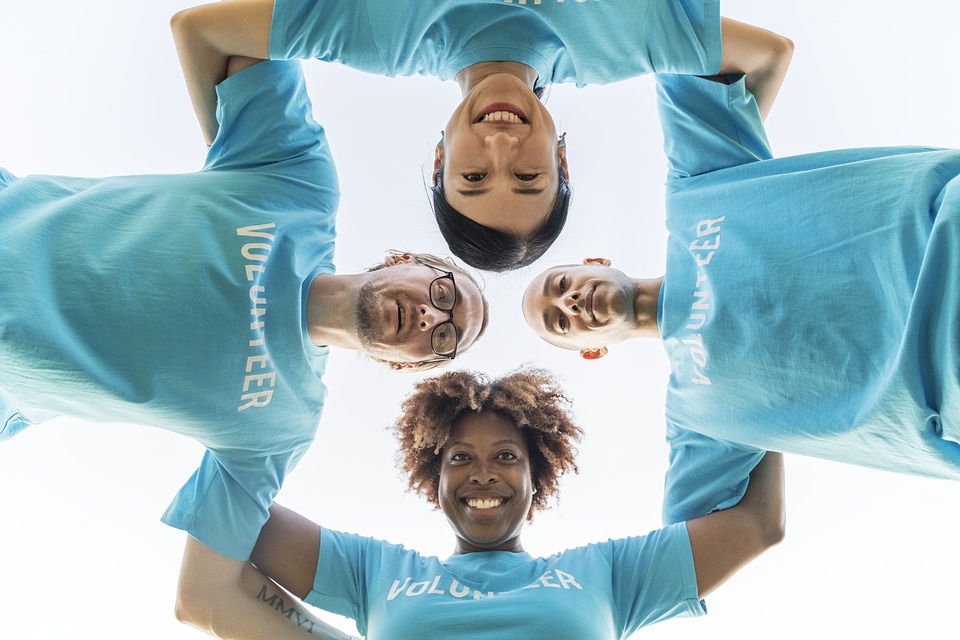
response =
{"points": [[274, 601]]}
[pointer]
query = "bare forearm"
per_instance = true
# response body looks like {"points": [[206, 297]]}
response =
{"points": [[204, 67], [724, 541], [764, 499], [763, 56], [230, 599], [209, 39]]}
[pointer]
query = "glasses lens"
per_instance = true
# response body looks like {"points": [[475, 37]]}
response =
{"points": [[443, 293], [444, 339]]}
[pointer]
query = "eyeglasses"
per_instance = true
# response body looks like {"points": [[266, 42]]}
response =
{"points": [[443, 296]]}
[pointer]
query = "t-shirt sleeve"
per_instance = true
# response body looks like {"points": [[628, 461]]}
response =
{"points": [[708, 125], [704, 475], [654, 578], [332, 31], [340, 584], [225, 502], [266, 118]]}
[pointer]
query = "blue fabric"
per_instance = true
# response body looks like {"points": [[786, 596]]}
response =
{"points": [[604, 590], [810, 303], [581, 42], [177, 301]]}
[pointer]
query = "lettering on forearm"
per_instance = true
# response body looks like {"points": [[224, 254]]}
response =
{"points": [[276, 602]]}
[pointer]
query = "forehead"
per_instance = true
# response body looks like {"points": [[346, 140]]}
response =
{"points": [[485, 428], [535, 297]]}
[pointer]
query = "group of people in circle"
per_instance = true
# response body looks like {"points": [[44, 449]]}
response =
{"points": [[762, 361]]}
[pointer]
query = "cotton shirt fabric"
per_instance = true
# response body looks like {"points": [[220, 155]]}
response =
{"points": [[580, 42], [177, 301], [599, 591], [810, 303]]}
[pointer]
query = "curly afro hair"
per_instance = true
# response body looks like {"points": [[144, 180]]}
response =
{"points": [[529, 397]]}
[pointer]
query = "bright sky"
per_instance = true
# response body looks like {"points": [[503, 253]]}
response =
{"points": [[94, 89]]}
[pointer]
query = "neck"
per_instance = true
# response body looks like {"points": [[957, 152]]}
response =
{"points": [[470, 76], [513, 546], [646, 307], [332, 310]]}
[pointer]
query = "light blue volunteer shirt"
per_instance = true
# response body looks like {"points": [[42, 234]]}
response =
{"points": [[601, 591], [581, 41], [810, 304], [177, 301]]}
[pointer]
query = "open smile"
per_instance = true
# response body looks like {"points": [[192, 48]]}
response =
{"points": [[502, 113]]}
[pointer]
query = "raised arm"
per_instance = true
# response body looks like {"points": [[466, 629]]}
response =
{"points": [[288, 550], [231, 599], [761, 55], [725, 541], [217, 40]]}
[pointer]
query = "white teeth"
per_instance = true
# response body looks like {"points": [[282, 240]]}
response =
{"points": [[484, 503], [502, 116]]}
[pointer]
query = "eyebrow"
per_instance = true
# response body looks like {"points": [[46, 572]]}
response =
{"points": [[469, 193], [546, 322], [467, 445], [529, 191]]}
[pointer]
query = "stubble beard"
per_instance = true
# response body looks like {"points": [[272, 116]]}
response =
{"points": [[368, 329]]}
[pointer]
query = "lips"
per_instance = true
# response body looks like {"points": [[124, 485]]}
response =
{"points": [[484, 503], [502, 113]]}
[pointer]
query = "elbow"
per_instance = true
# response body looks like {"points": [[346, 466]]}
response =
{"points": [[194, 609], [774, 531], [185, 25]]}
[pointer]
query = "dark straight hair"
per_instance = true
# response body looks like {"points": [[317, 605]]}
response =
{"points": [[484, 248]]}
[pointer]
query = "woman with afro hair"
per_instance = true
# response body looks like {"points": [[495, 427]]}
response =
{"points": [[489, 454]]}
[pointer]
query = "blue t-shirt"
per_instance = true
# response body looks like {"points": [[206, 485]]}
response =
{"points": [[810, 304], [177, 301], [604, 590], [592, 42]]}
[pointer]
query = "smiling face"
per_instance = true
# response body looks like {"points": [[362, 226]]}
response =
{"points": [[486, 487], [501, 158], [397, 320], [582, 307]]}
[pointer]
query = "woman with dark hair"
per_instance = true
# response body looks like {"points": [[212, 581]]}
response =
{"points": [[489, 455], [500, 180]]}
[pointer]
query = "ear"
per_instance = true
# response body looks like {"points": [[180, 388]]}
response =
{"points": [[437, 160], [600, 262], [562, 156], [394, 259], [593, 354], [404, 366]]}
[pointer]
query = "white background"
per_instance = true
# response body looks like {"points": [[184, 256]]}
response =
{"points": [[93, 88]]}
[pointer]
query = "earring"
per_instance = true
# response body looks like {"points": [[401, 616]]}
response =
{"points": [[440, 144], [562, 142]]}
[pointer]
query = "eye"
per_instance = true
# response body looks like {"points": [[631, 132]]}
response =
{"points": [[562, 284], [527, 177], [474, 177], [459, 457], [507, 455], [562, 323]]}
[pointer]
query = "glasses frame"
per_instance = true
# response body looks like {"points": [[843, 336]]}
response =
{"points": [[456, 296]]}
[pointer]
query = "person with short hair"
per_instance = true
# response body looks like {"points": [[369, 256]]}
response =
{"points": [[500, 182], [809, 304], [489, 454], [205, 304]]}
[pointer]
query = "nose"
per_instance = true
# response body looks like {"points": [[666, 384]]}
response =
{"points": [[482, 474], [500, 142], [430, 316], [570, 302]]}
